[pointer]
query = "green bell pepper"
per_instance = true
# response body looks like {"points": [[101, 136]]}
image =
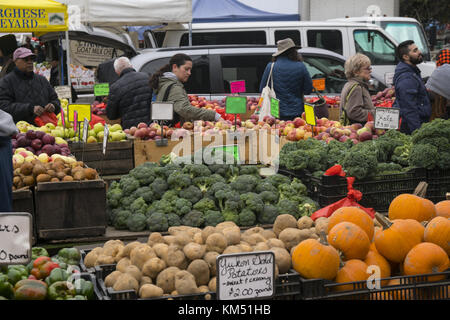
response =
{"points": [[30, 290], [16, 273], [61, 290], [38, 252], [56, 275], [84, 288], [69, 255], [6, 288], [62, 264]]}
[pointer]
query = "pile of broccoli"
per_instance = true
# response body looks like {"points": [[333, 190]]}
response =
{"points": [[158, 196]]}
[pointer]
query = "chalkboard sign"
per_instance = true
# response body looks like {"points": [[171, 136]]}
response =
{"points": [[15, 238], [245, 275], [386, 118]]}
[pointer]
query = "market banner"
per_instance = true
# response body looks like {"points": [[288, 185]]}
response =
{"points": [[39, 16], [84, 53]]}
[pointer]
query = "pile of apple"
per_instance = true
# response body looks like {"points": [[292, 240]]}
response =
{"points": [[37, 142], [385, 98], [149, 132], [202, 102], [356, 132], [96, 134]]}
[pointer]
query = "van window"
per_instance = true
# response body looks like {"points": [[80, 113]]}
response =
{"points": [[199, 81], [228, 37], [283, 34], [159, 37], [325, 39], [376, 46], [244, 67], [326, 68]]}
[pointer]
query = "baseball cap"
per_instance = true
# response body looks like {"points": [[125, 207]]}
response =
{"points": [[22, 53]]}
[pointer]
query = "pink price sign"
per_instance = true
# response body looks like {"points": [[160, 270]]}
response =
{"points": [[237, 86]]}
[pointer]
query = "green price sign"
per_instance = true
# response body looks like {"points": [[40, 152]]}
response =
{"points": [[231, 149], [235, 105], [101, 89], [275, 107]]}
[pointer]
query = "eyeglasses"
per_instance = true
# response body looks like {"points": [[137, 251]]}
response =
{"points": [[369, 68]]}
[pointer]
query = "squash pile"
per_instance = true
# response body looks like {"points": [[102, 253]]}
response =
{"points": [[413, 240]]}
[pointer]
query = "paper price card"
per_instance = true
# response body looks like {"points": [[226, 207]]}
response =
{"points": [[83, 110], [230, 149], [101, 89], [310, 115], [245, 275], [319, 84], [275, 107], [387, 118], [63, 92], [235, 105], [237, 86], [15, 238]]}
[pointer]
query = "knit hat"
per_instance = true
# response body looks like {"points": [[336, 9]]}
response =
{"points": [[443, 57], [439, 80]]}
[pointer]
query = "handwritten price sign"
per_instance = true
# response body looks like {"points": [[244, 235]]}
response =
{"points": [[15, 238], [387, 118]]}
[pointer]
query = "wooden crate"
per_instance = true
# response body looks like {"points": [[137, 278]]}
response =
{"points": [[119, 157], [70, 209]]}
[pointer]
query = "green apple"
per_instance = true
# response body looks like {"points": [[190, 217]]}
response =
{"points": [[116, 136], [50, 126], [91, 139], [100, 136], [115, 127], [98, 127], [43, 157], [57, 133], [59, 140]]}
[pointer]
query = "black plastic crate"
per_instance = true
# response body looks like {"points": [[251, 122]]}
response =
{"points": [[287, 286], [438, 184], [409, 288], [303, 175], [83, 267], [90, 277]]}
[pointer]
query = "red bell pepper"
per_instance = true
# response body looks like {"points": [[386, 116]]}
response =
{"points": [[42, 267]]}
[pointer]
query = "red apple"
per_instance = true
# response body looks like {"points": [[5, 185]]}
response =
{"points": [[142, 125]]}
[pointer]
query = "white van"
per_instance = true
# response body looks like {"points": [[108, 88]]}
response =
{"points": [[345, 38]]}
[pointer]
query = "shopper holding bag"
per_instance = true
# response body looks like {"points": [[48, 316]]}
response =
{"points": [[291, 80]]}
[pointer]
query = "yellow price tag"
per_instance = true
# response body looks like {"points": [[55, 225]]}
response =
{"points": [[310, 116], [84, 111]]}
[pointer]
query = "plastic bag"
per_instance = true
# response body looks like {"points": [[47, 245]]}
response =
{"points": [[46, 117], [266, 94], [353, 196]]}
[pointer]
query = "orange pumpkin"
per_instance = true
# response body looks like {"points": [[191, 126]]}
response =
{"points": [[316, 259], [410, 206], [376, 259], [426, 258], [438, 232], [443, 208], [350, 239], [353, 270], [354, 215], [397, 237]]}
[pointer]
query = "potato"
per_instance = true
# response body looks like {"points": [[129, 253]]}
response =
{"points": [[112, 278], [268, 234], [293, 236], [113, 243], [123, 264], [305, 222], [112, 250], [282, 259], [141, 254], [212, 284], [126, 282], [261, 246], [150, 291], [166, 279], [43, 177], [231, 249], [232, 234], [245, 247], [185, 283], [170, 240], [134, 271], [145, 280], [321, 225], [153, 267], [210, 259], [155, 237], [203, 289], [225, 224], [198, 238], [216, 242], [199, 268], [130, 246], [253, 230], [207, 231], [275, 243], [253, 239], [91, 258], [104, 259], [161, 250], [282, 222], [194, 251], [176, 258], [182, 238], [190, 230]]}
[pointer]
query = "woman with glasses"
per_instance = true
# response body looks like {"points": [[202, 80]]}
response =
{"points": [[356, 102]]}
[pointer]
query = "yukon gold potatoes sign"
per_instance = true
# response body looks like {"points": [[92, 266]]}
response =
{"points": [[90, 54]]}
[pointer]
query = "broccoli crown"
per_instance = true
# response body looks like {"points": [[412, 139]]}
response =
{"points": [[182, 206], [170, 195], [247, 217], [213, 218], [401, 154], [232, 173], [336, 151], [157, 222], [193, 218], [264, 185], [178, 180], [159, 186], [277, 179], [173, 220], [113, 196], [249, 169], [204, 183], [196, 170], [144, 174], [139, 206], [231, 215], [191, 193], [384, 168], [286, 206], [120, 219], [269, 197], [436, 128], [308, 207], [137, 222], [218, 186], [252, 201], [163, 206], [245, 183], [424, 156], [292, 190], [204, 205], [128, 185], [268, 215], [228, 198], [220, 169], [145, 193], [126, 202], [361, 160]]}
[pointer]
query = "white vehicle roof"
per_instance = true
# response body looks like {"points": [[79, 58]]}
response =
{"points": [[374, 18]]}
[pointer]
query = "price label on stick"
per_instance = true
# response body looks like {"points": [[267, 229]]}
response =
{"points": [[275, 107], [232, 149], [237, 86], [236, 105], [63, 118], [85, 129], [101, 89], [75, 121], [83, 110], [15, 238], [386, 118], [310, 115], [105, 138], [63, 92]]}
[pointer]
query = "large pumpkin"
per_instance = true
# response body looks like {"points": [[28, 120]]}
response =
{"points": [[349, 239], [443, 208], [426, 258], [376, 259], [438, 232], [353, 270], [354, 215], [316, 259], [397, 237], [410, 206]]}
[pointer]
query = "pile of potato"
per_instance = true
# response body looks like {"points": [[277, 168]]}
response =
{"points": [[30, 173], [184, 261]]}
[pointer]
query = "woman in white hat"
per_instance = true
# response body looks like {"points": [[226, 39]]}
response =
{"points": [[291, 80]]}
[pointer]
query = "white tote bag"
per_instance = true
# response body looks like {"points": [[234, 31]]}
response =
{"points": [[266, 94]]}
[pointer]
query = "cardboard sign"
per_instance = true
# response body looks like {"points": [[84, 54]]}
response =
{"points": [[162, 110], [83, 110], [101, 89], [63, 92], [275, 107], [319, 84], [386, 118], [105, 138], [245, 275], [236, 105], [15, 238], [237, 86], [310, 115]]}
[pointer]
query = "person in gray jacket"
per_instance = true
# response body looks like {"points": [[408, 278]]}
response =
{"points": [[356, 102], [7, 129]]}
